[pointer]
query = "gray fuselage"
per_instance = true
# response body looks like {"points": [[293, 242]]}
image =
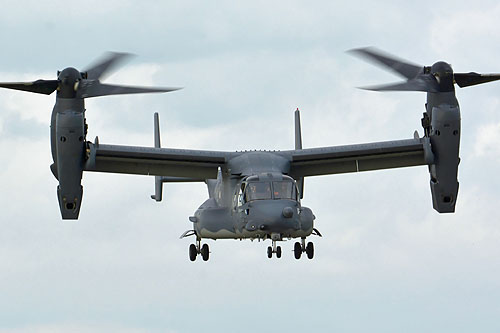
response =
{"points": [[245, 202]]}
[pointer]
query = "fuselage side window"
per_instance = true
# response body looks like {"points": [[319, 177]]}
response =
{"points": [[241, 195]]}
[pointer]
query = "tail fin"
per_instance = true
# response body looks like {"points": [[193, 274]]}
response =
{"points": [[298, 146], [158, 179]]}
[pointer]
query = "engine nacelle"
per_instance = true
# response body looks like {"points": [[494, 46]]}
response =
{"points": [[70, 152], [445, 143]]}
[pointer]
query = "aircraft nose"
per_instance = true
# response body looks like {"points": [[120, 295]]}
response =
{"points": [[283, 219], [269, 217]]}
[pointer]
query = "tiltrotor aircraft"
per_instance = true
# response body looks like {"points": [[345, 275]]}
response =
{"points": [[254, 194]]}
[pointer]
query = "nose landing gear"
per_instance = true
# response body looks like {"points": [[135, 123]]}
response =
{"points": [[274, 249], [301, 247], [194, 250]]}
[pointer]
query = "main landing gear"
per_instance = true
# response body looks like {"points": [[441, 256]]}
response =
{"points": [[194, 250], [274, 249], [301, 247], [298, 249]]}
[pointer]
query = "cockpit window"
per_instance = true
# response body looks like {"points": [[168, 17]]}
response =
{"points": [[258, 191], [269, 190], [284, 190]]}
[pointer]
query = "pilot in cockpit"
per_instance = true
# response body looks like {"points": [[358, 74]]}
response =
{"points": [[258, 191], [283, 190]]}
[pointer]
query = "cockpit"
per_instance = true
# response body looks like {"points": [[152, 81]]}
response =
{"points": [[264, 188]]}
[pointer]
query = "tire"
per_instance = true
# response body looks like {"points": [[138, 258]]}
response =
{"points": [[205, 252], [192, 252], [269, 252], [278, 252], [297, 250], [310, 250]]}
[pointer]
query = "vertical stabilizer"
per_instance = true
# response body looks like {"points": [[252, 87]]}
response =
{"points": [[157, 130], [158, 179], [298, 133], [298, 146]]}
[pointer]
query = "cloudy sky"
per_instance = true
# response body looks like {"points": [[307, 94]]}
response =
{"points": [[387, 262]]}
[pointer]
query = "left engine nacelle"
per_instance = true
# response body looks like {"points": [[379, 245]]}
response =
{"points": [[445, 142], [70, 152]]}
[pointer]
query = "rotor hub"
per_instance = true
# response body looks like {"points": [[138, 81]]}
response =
{"points": [[68, 80]]}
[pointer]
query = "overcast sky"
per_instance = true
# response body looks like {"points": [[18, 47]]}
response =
{"points": [[387, 262]]}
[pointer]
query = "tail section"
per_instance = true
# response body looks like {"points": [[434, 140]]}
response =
{"points": [[158, 181], [298, 146]]}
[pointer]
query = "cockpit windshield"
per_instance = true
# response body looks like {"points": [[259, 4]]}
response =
{"points": [[284, 190], [270, 190], [258, 191]]}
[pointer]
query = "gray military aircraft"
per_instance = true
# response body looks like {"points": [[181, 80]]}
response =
{"points": [[254, 194]]}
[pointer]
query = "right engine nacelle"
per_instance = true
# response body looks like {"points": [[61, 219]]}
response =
{"points": [[445, 143], [70, 152]]}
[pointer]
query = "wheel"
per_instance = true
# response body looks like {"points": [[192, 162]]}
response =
{"points": [[192, 252], [204, 252], [297, 250], [269, 252], [278, 252], [310, 250]]}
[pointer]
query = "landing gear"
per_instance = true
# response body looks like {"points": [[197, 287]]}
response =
{"points": [[297, 250], [301, 247], [274, 249], [310, 250], [194, 250], [204, 252]]}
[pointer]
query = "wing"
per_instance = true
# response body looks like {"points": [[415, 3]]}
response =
{"points": [[200, 164], [361, 157], [189, 164]]}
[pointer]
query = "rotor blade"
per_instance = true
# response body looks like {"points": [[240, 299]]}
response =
{"points": [[422, 83], [46, 87], [399, 66], [105, 64], [93, 88], [470, 79]]}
